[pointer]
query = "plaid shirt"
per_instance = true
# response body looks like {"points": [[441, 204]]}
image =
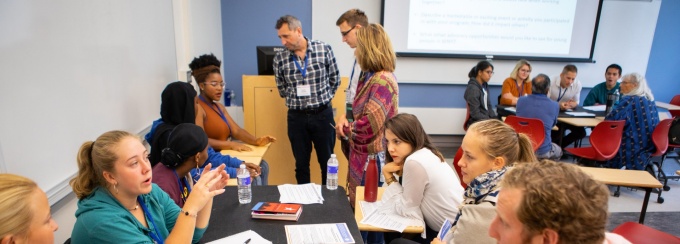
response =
{"points": [[322, 76]]}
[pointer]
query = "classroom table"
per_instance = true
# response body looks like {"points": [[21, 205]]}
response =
{"points": [[627, 178], [257, 151], [229, 217], [358, 215], [667, 106]]}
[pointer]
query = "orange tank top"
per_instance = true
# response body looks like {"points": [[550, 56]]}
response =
{"points": [[214, 125]]}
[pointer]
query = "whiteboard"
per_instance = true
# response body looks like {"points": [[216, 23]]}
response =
{"points": [[74, 69], [625, 36]]}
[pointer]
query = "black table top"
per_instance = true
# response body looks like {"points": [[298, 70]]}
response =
{"points": [[500, 109], [228, 217]]}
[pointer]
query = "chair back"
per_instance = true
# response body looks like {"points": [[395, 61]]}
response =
{"points": [[675, 101], [531, 127], [459, 154], [606, 138], [467, 116], [660, 137], [638, 233]]}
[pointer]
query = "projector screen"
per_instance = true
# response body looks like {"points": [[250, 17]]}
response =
{"points": [[548, 30]]}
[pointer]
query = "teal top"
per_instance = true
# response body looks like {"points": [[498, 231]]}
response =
{"points": [[599, 94], [102, 219]]}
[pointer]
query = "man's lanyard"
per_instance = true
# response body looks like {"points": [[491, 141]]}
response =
{"points": [[184, 190], [155, 235], [351, 76], [560, 94], [303, 70]]}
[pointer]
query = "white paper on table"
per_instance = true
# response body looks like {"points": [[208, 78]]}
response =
{"points": [[596, 108], [369, 207], [302, 194], [390, 220], [241, 238], [319, 233], [511, 109], [580, 114]]}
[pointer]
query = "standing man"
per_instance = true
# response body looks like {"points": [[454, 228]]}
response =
{"points": [[598, 95], [566, 91], [349, 22], [307, 77], [526, 107]]}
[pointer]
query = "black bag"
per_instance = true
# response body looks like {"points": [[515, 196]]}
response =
{"points": [[674, 132]]}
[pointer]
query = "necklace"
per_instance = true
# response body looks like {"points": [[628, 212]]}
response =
{"points": [[133, 209]]}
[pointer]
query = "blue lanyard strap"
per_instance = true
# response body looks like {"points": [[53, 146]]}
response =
{"points": [[184, 190], [521, 88], [560, 94], [155, 235], [303, 70], [351, 76], [218, 111]]}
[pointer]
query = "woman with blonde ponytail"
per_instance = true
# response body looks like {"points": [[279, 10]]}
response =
{"points": [[118, 203], [24, 212]]}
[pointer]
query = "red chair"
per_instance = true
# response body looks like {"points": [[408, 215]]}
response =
{"points": [[660, 140], [605, 141], [531, 127], [675, 101], [467, 116], [641, 234], [459, 154]]}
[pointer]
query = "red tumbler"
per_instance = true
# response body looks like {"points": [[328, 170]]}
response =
{"points": [[371, 180]]}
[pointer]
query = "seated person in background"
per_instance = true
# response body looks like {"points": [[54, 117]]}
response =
{"points": [[598, 95], [187, 148], [490, 147], [216, 120], [638, 109], [566, 91], [118, 203], [428, 189], [549, 202], [549, 109], [25, 214], [477, 93], [178, 105], [518, 84]]}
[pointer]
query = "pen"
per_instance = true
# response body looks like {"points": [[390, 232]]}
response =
{"points": [[344, 137], [247, 241]]}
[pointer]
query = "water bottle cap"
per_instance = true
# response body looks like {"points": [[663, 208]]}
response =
{"points": [[333, 155], [243, 166]]}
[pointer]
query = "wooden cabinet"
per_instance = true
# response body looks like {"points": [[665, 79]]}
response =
{"points": [[265, 113]]}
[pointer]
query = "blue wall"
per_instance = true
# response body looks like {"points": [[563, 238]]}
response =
{"points": [[662, 69], [250, 23]]}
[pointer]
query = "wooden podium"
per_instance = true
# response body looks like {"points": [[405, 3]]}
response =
{"points": [[265, 113]]}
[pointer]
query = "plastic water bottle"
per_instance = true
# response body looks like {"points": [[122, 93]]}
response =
{"points": [[612, 99], [244, 192], [332, 173]]}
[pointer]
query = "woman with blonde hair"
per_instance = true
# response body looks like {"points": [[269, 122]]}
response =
{"points": [[518, 84], [24, 212], [119, 204]]}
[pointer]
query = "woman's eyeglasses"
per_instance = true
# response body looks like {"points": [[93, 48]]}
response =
{"points": [[216, 84]]}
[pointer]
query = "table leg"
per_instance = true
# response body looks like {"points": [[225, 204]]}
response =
{"points": [[648, 191]]}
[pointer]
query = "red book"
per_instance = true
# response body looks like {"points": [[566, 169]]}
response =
{"points": [[276, 211]]}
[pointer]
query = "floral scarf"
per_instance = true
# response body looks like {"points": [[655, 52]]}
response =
{"points": [[484, 188]]}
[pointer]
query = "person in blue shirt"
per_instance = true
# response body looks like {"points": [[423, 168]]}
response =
{"points": [[638, 109], [549, 109], [598, 95]]}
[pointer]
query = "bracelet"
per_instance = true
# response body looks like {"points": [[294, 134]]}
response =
{"points": [[186, 213], [390, 180]]}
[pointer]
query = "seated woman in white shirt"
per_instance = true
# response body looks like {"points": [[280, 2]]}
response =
{"points": [[429, 189]]}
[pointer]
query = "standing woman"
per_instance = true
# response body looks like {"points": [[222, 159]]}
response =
{"points": [[638, 109], [187, 148], [477, 93], [216, 121], [428, 189], [375, 102], [518, 84], [119, 204], [24, 212]]}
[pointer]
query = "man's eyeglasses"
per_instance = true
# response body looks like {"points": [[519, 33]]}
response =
{"points": [[215, 84], [344, 33]]}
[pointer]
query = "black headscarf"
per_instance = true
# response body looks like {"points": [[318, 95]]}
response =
{"points": [[177, 106], [185, 140]]}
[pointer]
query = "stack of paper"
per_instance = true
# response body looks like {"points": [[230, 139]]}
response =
{"points": [[580, 114], [248, 236], [302, 194], [319, 233], [390, 220], [596, 108]]}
